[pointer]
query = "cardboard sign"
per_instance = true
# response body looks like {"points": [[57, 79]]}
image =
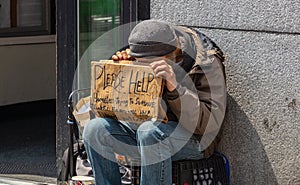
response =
{"points": [[125, 91]]}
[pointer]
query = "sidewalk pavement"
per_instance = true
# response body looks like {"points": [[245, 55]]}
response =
{"points": [[21, 179], [28, 140]]}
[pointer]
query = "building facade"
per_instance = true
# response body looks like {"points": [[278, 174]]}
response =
{"points": [[261, 40]]}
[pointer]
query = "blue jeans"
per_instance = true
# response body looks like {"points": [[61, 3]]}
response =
{"points": [[155, 144]]}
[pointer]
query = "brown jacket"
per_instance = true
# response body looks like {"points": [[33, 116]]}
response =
{"points": [[200, 108]]}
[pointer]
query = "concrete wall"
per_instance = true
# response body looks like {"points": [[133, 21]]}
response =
{"points": [[261, 133], [27, 70]]}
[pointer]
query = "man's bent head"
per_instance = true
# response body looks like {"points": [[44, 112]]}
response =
{"points": [[152, 38]]}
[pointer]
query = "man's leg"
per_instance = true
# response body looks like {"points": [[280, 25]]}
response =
{"points": [[158, 142], [103, 137]]}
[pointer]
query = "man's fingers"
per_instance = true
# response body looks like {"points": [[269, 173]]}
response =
{"points": [[124, 55], [165, 68], [119, 54], [161, 65], [162, 74], [158, 63], [162, 69], [115, 57]]}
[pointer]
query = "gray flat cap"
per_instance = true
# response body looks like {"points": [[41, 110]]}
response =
{"points": [[152, 38]]}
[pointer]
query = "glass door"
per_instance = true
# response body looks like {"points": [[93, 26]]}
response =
{"points": [[95, 17], [97, 35], [103, 27]]}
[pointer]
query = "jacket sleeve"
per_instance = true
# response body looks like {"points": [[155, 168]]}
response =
{"points": [[200, 107]]}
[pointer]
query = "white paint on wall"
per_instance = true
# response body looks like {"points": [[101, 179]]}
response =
{"points": [[27, 72]]}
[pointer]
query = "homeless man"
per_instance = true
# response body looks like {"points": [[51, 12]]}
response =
{"points": [[193, 99]]}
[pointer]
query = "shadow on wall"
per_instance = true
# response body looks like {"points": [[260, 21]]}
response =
{"points": [[249, 163]]}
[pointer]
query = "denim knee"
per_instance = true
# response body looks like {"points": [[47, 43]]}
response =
{"points": [[148, 133], [94, 127], [89, 128]]}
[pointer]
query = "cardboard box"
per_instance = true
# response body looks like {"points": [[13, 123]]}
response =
{"points": [[125, 91]]}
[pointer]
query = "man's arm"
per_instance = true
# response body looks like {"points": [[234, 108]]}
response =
{"points": [[202, 109]]}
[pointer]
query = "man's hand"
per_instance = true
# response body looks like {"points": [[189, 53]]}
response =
{"points": [[122, 55], [162, 69]]}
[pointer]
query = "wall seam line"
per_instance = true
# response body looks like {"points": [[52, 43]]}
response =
{"points": [[245, 30]]}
